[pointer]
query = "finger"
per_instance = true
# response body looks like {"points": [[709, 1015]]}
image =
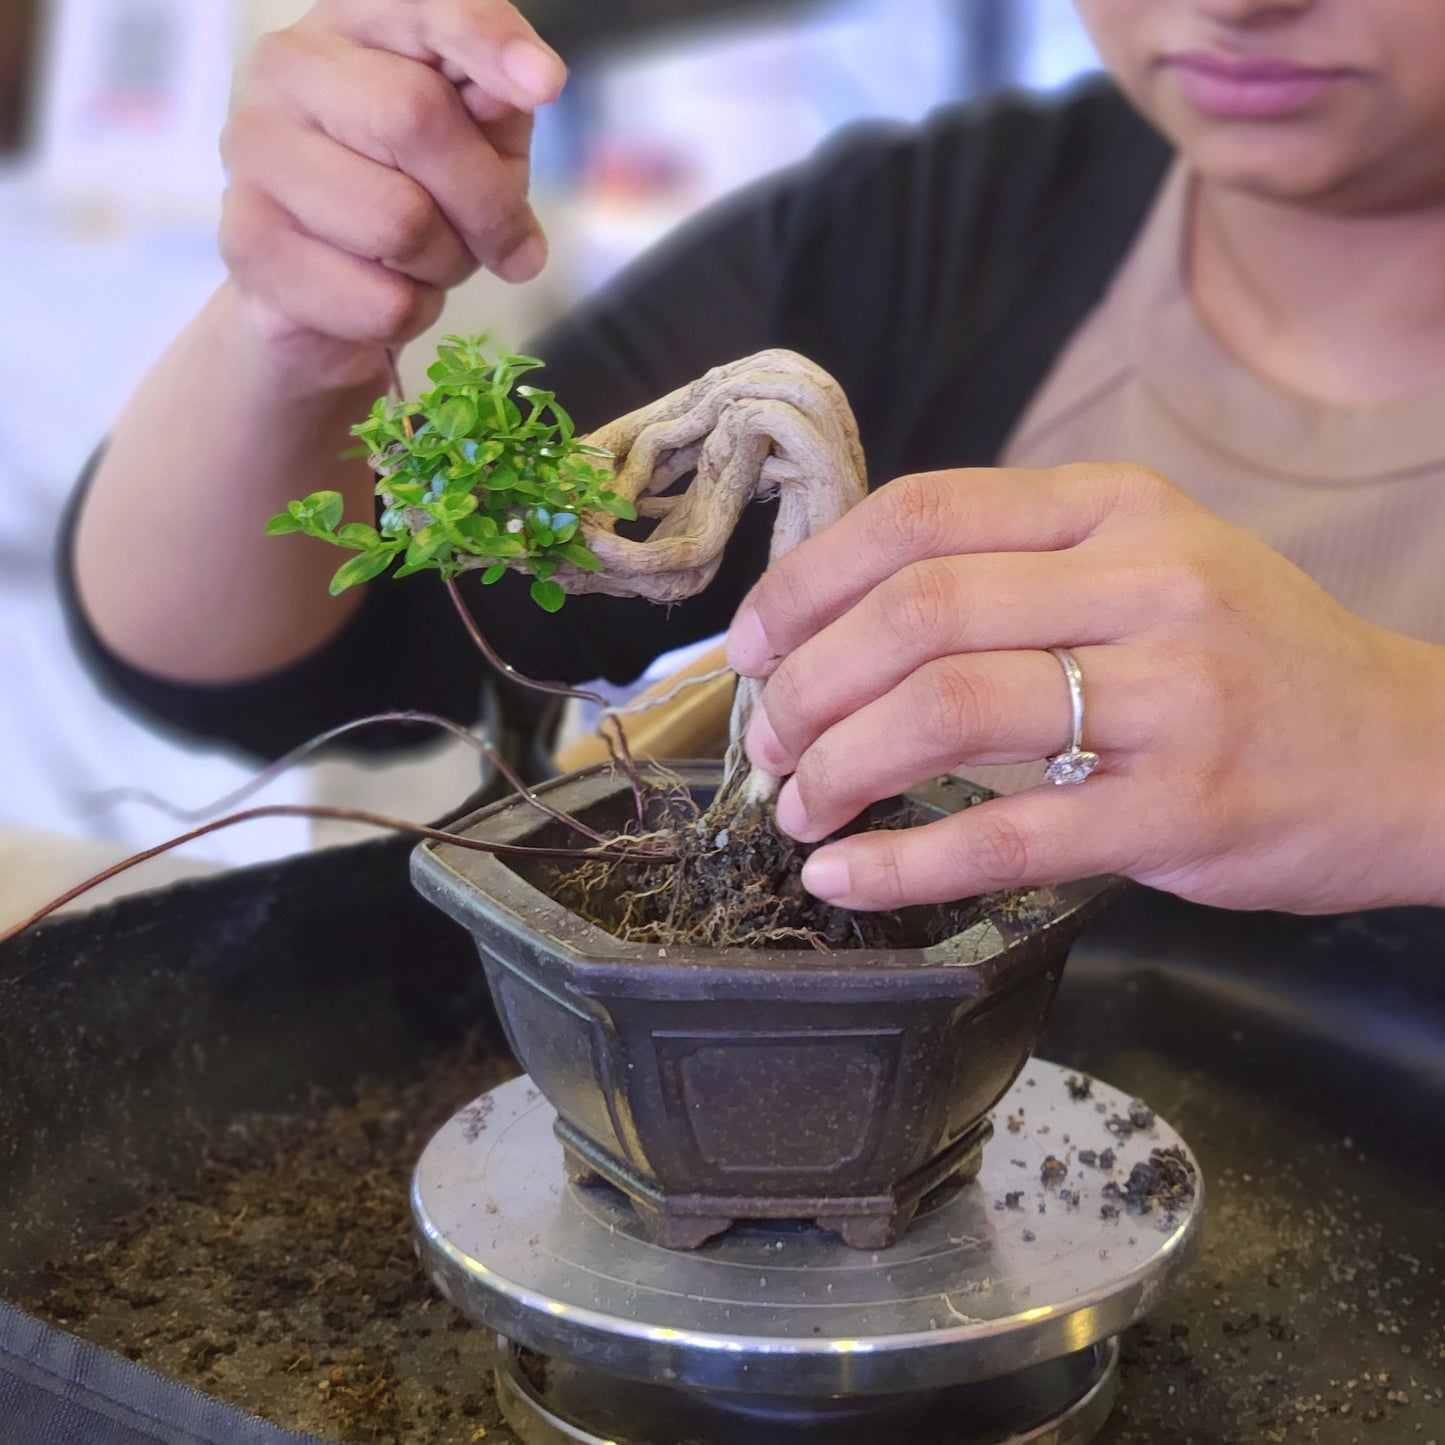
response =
{"points": [[487, 41], [1048, 835], [937, 514], [507, 130], [408, 117], [936, 609], [316, 286], [350, 202], [984, 708]]}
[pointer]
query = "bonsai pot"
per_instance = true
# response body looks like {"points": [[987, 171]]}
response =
{"points": [[718, 1084]]}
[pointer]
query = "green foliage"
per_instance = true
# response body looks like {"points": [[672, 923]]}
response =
{"points": [[482, 466]]}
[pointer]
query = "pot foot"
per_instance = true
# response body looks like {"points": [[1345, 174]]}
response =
{"points": [[869, 1231], [679, 1231], [578, 1170]]}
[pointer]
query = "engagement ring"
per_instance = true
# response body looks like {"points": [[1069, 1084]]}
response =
{"points": [[1074, 765]]}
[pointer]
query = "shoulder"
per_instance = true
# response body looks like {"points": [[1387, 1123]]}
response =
{"points": [[1011, 158], [927, 264]]}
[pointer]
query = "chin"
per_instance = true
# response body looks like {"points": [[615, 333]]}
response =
{"points": [[1286, 173], [1289, 161]]}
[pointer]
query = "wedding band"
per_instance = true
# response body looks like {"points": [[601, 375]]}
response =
{"points": [[1075, 764]]}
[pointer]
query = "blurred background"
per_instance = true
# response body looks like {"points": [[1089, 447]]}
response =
{"points": [[109, 196]]}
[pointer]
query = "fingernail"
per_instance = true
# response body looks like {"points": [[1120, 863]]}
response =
{"points": [[792, 816], [533, 69], [747, 645], [525, 261], [825, 876], [763, 745]]}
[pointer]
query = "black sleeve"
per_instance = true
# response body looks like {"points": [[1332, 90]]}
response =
{"points": [[935, 271]]}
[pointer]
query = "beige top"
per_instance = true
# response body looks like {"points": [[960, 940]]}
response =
{"points": [[1355, 496]]}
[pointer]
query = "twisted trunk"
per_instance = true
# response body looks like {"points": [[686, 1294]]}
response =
{"points": [[772, 424]]}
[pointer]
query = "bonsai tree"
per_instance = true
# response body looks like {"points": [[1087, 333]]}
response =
{"points": [[486, 472]]}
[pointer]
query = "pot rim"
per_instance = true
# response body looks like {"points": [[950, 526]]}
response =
{"points": [[443, 872]]}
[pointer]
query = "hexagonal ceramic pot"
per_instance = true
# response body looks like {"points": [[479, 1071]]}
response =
{"points": [[720, 1084]]}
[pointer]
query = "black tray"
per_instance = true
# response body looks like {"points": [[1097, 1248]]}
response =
{"points": [[1304, 1059]]}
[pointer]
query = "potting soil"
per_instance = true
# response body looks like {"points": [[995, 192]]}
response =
{"points": [[735, 881], [283, 1282]]}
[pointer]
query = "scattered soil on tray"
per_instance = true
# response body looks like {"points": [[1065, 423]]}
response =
{"points": [[283, 1280], [1314, 1311]]}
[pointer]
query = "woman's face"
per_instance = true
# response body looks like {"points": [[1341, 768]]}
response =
{"points": [[1338, 104]]}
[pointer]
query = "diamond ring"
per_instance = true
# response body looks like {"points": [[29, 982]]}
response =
{"points": [[1074, 764]]}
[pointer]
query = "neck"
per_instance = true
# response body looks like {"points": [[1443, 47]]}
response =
{"points": [[1345, 309]]}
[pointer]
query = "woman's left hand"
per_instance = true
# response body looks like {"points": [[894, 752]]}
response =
{"points": [[1260, 746]]}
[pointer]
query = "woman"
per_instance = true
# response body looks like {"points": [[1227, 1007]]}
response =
{"points": [[1260, 317]]}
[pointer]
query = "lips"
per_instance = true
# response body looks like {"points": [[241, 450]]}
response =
{"points": [[1247, 87]]}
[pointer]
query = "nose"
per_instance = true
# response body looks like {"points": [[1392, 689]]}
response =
{"points": [[1251, 14]]}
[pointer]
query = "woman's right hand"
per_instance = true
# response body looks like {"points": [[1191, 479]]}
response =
{"points": [[377, 155]]}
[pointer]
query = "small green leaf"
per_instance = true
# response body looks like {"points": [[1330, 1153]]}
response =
{"points": [[455, 417], [452, 507], [499, 547], [618, 506], [426, 544], [477, 527], [580, 555], [359, 535], [563, 421], [450, 362], [326, 507], [282, 524], [361, 568], [549, 596], [494, 573], [412, 493]]}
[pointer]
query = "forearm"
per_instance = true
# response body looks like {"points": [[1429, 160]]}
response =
{"points": [[172, 564]]}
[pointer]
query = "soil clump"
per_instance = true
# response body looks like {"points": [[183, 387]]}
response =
{"points": [[1166, 1179], [737, 883]]}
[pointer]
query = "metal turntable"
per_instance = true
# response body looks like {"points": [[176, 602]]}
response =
{"points": [[991, 1322]]}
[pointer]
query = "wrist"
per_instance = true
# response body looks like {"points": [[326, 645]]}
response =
{"points": [[1412, 799], [290, 365]]}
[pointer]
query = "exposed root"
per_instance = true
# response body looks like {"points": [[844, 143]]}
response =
{"points": [[735, 884]]}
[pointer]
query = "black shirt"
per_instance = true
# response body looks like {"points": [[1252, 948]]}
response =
{"points": [[936, 271]]}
